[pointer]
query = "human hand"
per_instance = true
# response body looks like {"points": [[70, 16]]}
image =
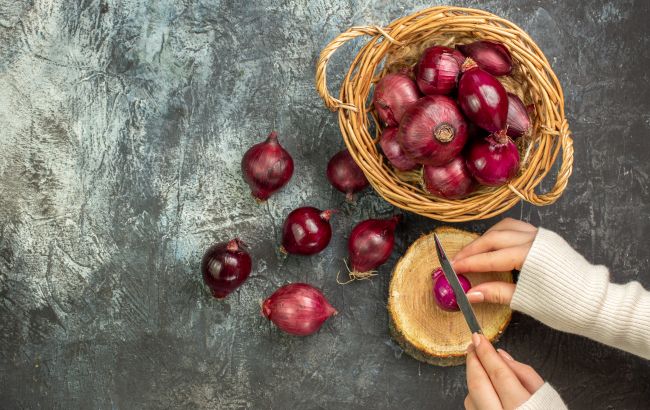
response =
{"points": [[495, 380], [503, 247]]}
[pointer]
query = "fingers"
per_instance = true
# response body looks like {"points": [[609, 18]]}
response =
{"points": [[528, 377], [469, 404], [512, 224], [479, 384], [505, 382], [495, 261], [495, 240], [492, 292]]}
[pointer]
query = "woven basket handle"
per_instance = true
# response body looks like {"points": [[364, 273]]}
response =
{"points": [[562, 176], [325, 55]]}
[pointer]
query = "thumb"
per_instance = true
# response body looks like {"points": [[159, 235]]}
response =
{"points": [[492, 292]]}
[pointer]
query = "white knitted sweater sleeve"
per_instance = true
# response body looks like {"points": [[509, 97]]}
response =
{"points": [[558, 287]]}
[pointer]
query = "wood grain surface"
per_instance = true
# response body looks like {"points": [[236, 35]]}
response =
{"points": [[423, 329]]}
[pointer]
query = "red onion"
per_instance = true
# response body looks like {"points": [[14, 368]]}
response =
{"points": [[482, 98], [393, 150], [444, 294], [298, 309], [491, 56], [370, 245], [306, 231], [433, 130], [493, 160], [225, 266], [267, 167], [437, 71], [451, 181], [345, 175], [393, 94], [518, 118]]}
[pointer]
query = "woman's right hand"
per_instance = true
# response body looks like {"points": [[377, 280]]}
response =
{"points": [[503, 247]]}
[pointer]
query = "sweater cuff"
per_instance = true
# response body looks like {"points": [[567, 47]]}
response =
{"points": [[546, 398], [557, 286]]}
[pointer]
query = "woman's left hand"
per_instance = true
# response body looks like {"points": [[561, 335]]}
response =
{"points": [[495, 380]]}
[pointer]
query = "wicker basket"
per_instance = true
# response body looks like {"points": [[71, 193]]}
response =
{"points": [[398, 45]]}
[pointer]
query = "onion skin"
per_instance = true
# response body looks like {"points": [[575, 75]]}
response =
{"points": [[450, 181], [518, 123], [443, 293], [225, 266], [345, 175], [370, 245], [306, 231], [491, 56], [433, 130], [394, 152], [437, 71], [494, 160], [482, 98], [267, 167], [393, 95], [298, 309]]}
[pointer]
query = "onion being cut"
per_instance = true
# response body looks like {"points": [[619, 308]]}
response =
{"points": [[444, 293]]}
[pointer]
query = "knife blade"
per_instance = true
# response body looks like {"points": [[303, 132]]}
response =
{"points": [[461, 298]]}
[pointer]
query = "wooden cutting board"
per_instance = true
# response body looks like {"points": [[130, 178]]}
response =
{"points": [[419, 326]]}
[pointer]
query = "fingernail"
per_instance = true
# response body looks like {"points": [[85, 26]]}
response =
{"points": [[476, 297], [505, 354], [476, 339], [470, 348]]}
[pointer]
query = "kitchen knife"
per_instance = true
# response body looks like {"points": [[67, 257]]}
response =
{"points": [[461, 298]]}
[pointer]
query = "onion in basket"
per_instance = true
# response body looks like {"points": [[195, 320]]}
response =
{"points": [[394, 151], [437, 71], [518, 118], [433, 131], [452, 180], [393, 95], [493, 160], [491, 56], [482, 97]]}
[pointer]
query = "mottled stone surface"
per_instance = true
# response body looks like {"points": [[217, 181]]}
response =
{"points": [[122, 123]]}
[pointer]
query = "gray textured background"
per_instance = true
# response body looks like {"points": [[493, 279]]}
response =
{"points": [[122, 124]]}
